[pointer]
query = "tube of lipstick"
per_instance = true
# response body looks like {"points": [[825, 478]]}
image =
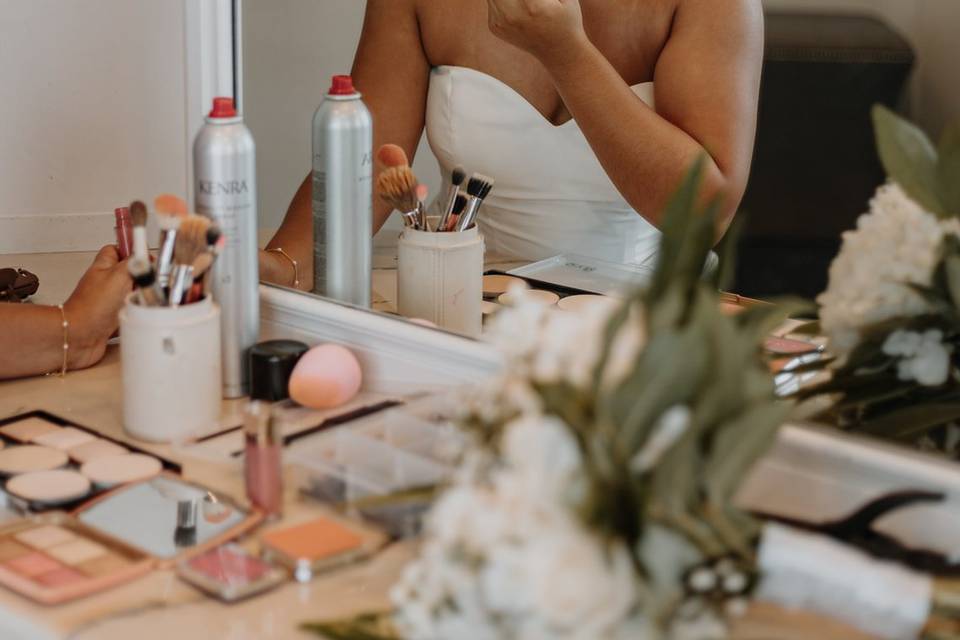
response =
{"points": [[263, 468], [124, 231]]}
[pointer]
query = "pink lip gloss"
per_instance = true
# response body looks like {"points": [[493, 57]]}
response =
{"points": [[263, 466], [124, 231]]}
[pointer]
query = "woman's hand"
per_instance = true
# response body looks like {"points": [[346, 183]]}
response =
{"points": [[93, 307], [545, 28]]}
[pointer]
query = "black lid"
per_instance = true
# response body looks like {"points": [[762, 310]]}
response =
{"points": [[271, 364]]}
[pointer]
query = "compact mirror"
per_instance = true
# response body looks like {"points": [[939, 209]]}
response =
{"points": [[167, 517]]}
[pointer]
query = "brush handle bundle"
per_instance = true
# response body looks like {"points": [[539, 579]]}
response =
{"points": [[189, 245]]}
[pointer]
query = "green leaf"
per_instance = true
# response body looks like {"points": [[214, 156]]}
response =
{"points": [[738, 445], [909, 158], [948, 170]]}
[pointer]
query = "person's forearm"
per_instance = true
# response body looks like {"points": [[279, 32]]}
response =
{"points": [[31, 341], [295, 237], [644, 155]]}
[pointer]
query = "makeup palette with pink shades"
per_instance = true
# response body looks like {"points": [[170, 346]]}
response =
{"points": [[53, 558], [47, 462]]}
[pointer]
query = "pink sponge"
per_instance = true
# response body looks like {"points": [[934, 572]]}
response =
{"points": [[327, 376]]}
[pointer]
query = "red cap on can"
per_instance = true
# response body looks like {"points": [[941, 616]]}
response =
{"points": [[223, 108], [342, 86]]}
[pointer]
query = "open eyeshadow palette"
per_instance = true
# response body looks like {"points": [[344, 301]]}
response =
{"points": [[53, 558], [47, 462], [230, 573]]}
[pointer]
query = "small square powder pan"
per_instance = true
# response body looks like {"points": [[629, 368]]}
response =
{"points": [[53, 558], [230, 573], [315, 546]]}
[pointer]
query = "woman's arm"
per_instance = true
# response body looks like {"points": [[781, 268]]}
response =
{"points": [[707, 85], [31, 337], [391, 70]]}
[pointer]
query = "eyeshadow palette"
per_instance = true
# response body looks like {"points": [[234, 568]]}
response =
{"points": [[49, 462], [53, 558], [230, 573], [313, 546]]}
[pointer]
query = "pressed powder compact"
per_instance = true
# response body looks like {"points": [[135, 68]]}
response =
{"points": [[53, 559], [496, 285], [51, 463], [312, 547], [28, 458], [539, 296], [110, 471], [230, 573], [49, 488]]}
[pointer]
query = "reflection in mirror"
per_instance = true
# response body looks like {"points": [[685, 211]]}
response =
{"points": [[583, 151], [164, 516]]}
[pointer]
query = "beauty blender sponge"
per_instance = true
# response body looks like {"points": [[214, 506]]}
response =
{"points": [[327, 376]]}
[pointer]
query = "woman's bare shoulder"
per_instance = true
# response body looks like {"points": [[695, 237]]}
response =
{"points": [[743, 13]]}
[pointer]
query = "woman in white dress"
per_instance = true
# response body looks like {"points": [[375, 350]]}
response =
{"points": [[586, 112]]}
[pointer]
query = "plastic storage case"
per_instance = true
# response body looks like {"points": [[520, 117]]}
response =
{"points": [[395, 453]]}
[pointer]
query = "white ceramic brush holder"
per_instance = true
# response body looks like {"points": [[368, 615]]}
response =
{"points": [[171, 370], [440, 279]]}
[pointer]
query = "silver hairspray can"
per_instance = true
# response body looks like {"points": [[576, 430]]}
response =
{"points": [[343, 195], [225, 170]]}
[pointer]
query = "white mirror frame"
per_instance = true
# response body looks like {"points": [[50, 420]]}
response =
{"points": [[213, 62]]}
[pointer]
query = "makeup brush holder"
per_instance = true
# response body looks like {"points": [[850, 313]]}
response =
{"points": [[440, 279], [170, 358]]}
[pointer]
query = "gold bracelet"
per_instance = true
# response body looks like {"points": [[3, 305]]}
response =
{"points": [[296, 265], [66, 343]]}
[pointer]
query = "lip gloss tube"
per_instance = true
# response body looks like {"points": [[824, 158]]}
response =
{"points": [[263, 466], [124, 229]]}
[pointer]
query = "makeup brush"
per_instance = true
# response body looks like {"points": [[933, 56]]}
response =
{"points": [[145, 282], [478, 188], [397, 186], [459, 204], [138, 213], [390, 155], [191, 242], [216, 241], [171, 211], [457, 176]]}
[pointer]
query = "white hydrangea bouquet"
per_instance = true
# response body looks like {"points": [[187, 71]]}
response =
{"points": [[892, 308], [596, 502]]}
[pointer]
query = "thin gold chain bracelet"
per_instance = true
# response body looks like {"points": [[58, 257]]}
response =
{"points": [[296, 265], [65, 324]]}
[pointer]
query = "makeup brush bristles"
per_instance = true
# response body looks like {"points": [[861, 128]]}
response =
{"points": [[398, 187], [138, 213], [191, 243], [479, 186]]}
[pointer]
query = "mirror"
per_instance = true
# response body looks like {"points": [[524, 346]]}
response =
{"points": [[814, 162], [166, 517]]}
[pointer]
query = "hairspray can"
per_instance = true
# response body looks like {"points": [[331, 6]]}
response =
{"points": [[224, 167], [343, 195]]}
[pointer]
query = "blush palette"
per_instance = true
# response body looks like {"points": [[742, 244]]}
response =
{"points": [[53, 559], [230, 573]]}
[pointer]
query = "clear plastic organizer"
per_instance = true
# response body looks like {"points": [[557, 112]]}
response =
{"points": [[394, 454]]}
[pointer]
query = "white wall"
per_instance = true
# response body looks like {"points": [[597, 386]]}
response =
{"points": [[291, 50], [92, 114]]}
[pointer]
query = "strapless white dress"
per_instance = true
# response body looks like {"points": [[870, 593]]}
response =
{"points": [[552, 196]]}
